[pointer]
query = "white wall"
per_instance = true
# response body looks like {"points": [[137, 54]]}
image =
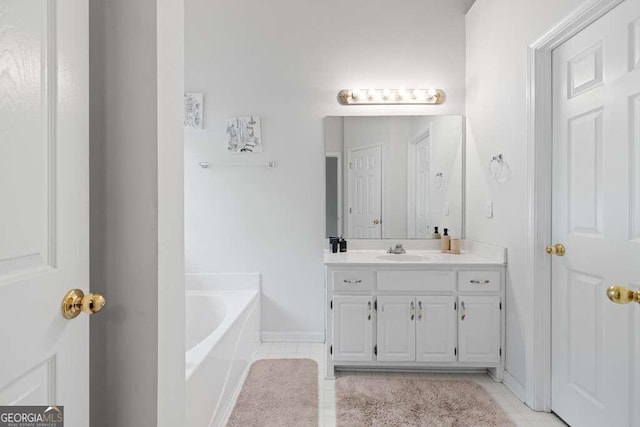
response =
{"points": [[137, 341], [499, 32], [446, 156], [286, 61]]}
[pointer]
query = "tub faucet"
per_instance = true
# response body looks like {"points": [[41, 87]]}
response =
{"points": [[398, 249]]}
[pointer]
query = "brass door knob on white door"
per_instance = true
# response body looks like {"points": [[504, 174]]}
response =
{"points": [[377, 221], [75, 301], [557, 249], [623, 295]]}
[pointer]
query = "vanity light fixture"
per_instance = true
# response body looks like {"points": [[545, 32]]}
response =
{"points": [[390, 96]]}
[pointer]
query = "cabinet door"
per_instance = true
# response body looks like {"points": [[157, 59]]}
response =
{"points": [[435, 329], [396, 329], [479, 329], [352, 328]]}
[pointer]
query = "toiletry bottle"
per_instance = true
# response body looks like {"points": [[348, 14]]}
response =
{"points": [[436, 234], [343, 244], [455, 245], [445, 241], [334, 243]]}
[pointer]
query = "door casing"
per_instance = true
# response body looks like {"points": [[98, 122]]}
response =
{"points": [[539, 196]]}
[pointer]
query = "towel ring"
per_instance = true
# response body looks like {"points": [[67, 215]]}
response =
{"points": [[439, 181], [499, 169]]}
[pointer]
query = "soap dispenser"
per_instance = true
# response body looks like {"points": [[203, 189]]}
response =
{"points": [[436, 234], [445, 241], [343, 244]]}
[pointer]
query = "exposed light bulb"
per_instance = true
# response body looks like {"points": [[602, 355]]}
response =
{"points": [[414, 94], [356, 94], [371, 94], [386, 93], [401, 94], [431, 93]]}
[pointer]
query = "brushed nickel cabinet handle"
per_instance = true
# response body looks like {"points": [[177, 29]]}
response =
{"points": [[480, 282], [420, 312], [413, 310], [463, 313], [352, 282], [369, 310]]}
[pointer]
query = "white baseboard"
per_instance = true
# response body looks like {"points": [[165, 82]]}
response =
{"points": [[292, 336], [515, 386]]}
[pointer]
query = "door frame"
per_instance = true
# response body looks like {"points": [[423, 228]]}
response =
{"points": [[338, 156], [383, 205], [411, 170], [539, 191]]}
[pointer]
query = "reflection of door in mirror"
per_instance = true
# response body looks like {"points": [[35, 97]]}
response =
{"points": [[413, 183], [333, 176], [418, 186], [365, 193]]}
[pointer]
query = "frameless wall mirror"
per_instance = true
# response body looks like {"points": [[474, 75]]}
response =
{"points": [[394, 177]]}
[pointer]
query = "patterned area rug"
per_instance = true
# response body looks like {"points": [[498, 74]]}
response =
{"points": [[278, 392], [362, 401]]}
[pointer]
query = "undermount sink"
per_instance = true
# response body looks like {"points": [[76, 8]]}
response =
{"points": [[403, 257]]}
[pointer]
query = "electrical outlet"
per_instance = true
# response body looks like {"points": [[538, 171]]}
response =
{"points": [[489, 209]]}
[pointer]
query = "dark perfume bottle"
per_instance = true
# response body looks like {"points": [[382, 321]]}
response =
{"points": [[334, 244], [343, 244]]}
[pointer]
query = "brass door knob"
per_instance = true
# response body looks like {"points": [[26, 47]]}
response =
{"points": [[377, 221], [75, 301], [557, 249], [622, 295]]}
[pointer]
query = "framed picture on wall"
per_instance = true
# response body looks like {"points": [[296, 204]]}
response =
{"points": [[193, 110], [243, 135]]}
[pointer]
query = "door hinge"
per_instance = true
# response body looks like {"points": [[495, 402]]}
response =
{"points": [[330, 349], [455, 351], [332, 304], [350, 165], [375, 305], [500, 306], [501, 352], [349, 210], [455, 305], [375, 350]]}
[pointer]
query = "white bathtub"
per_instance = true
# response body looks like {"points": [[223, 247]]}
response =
{"points": [[222, 336]]}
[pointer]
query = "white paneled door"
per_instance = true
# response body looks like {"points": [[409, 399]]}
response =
{"points": [[418, 187], [44, 203], [365, 193], [596, 216]]}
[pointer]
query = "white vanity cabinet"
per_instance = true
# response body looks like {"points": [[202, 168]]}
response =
{"points": [[352, 327], [396, 337], [414, 316], [436, 334], [479, 328], [414, 329]]}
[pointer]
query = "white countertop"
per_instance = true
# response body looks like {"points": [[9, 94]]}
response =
{"points": [[412, 257]]}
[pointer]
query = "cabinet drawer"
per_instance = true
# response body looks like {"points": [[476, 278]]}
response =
{"points": [[353, 280], [415, 281], [483, 281]]}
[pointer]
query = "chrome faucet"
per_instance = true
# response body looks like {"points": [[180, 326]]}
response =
{"points": [[397, 250]]}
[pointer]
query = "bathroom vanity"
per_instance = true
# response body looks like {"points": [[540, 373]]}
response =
{"points": [[423, 310]]}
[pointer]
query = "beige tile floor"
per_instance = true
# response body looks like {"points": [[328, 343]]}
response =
{"points": [[512, 406]]}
